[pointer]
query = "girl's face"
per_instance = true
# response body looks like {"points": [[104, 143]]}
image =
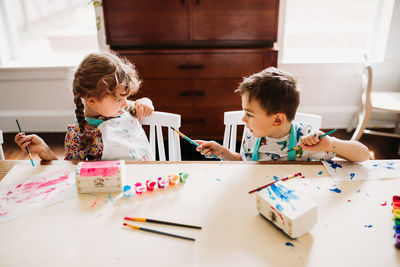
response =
{"points": [[109, 106]]}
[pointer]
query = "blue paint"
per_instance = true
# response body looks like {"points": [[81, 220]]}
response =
{"points": [[276, 178], [352, 175], [289, 244], [309, 159], [109, 196], [218, 179], [127, 191], [283, 193], [320, 173], [334, 165], [270, 194], [279, 207], [336, 190], [368, 226], [318, 188]]}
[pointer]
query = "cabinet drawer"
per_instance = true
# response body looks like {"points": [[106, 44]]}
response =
{"points": [[191, 93], [197, 65]]}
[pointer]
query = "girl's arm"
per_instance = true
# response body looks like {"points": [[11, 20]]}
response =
{"points": [[144, 107], [36, 145]]}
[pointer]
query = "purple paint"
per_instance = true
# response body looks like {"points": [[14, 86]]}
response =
{"points": [[397, 244], [336, 190], [368, 225]]}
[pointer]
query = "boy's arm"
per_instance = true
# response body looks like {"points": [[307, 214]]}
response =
{"points": [[350, 150], [210, 147]]}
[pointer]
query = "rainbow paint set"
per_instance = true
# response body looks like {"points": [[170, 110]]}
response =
{"points": [[289, 210], [396, 218]]}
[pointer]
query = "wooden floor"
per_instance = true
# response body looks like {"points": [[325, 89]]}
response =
{"points": [[380, 147]]}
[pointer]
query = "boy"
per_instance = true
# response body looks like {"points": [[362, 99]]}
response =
{"points": [[270, 100]]}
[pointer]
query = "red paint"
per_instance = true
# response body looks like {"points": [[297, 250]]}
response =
{"points": [[384, 204]]}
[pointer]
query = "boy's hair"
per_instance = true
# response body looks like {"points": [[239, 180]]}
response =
{"points": [[99, 75], [274, 89]]}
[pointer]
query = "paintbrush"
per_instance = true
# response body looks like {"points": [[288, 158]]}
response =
{"points": [[283, 179], [161, 222], [191, 141], [27, 148], [157, 232], [319, 137]]}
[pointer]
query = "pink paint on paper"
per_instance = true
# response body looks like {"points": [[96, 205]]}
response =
{"points": [[99, 168]]}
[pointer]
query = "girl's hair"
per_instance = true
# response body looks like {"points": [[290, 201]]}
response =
{"points": [[99, 75], [274, 89]]}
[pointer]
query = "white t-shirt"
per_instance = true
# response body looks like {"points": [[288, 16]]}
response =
{"points": [[277, 148]]}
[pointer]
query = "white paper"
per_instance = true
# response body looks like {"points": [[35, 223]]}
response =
{"points": [[26, 189], [367, 170]]}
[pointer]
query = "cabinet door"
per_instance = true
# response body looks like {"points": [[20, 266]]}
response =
{"points": [[240, 20], [137, 22]]}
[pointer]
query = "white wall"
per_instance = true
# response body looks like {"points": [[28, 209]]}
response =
{"points": [[41, 98]]}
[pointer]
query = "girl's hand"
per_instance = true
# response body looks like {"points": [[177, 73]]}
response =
{"points": [[311, 141], [35, 143], [144, 108]]}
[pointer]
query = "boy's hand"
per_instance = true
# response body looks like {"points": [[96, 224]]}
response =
{"points": [[311, 141], [144, 108], [207, 148]]}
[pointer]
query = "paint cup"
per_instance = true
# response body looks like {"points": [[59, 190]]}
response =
{"points": [[162, 182], [173, 179], [396, 206], [397, 229], [397, 221], [183, 177], [139, 188], [127, 191], [396, 214], [150, 185], [396, 199], [397, 244]]}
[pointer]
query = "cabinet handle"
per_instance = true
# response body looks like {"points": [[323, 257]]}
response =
{"points": [[192, 93], [193, 121], [191, 67]]}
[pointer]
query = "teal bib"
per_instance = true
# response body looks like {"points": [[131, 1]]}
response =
{"points": [[292, 144]]}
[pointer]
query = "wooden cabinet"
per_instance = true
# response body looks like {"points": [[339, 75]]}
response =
{"points": [[192, 54]]}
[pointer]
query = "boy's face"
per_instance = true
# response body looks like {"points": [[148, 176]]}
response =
{"points": [[256, 118]]}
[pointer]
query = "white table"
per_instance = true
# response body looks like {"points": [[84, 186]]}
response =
{"points": [[72, 233]]}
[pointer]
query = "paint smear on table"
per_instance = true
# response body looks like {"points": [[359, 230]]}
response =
{"points": [[23, 191]]}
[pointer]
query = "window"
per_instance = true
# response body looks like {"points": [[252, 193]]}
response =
{"points": [[326, 31], [47, 32]]}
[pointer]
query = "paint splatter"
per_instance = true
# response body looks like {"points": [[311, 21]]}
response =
{"points": [[358, 191], [318, 188], [94, 204], [276, 178], [218, 179], [270, 194], [320, 173], [368, 226], [384, 204], [352, 175], [289, 244], [109, 197], [336, 190], [279, 207], [348, 200], [334, 165], [283, 193]]}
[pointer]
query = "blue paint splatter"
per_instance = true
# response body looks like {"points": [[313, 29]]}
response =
{"points": [[218, 179], [318, 188], [289, 244], [334, 165], [309, 159], [352, 175], [368, 226], [127, 191], [279, 207], [109, 196], [270, 194], [283, 193], [276, 178], [336, 190], [320, 173]]}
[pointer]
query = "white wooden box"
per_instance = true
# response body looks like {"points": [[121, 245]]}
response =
{"points": [[100, 176], [290, 211]]}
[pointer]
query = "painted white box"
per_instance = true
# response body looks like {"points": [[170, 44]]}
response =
{"points": [[290, 211], [100, 176]]}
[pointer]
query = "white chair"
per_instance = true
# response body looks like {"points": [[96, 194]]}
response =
{"points": [[384, 101], [163, 119], [234, 118], [1, 146]]}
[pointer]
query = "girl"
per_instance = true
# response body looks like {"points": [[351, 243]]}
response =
{"points": [[107, 125]]}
